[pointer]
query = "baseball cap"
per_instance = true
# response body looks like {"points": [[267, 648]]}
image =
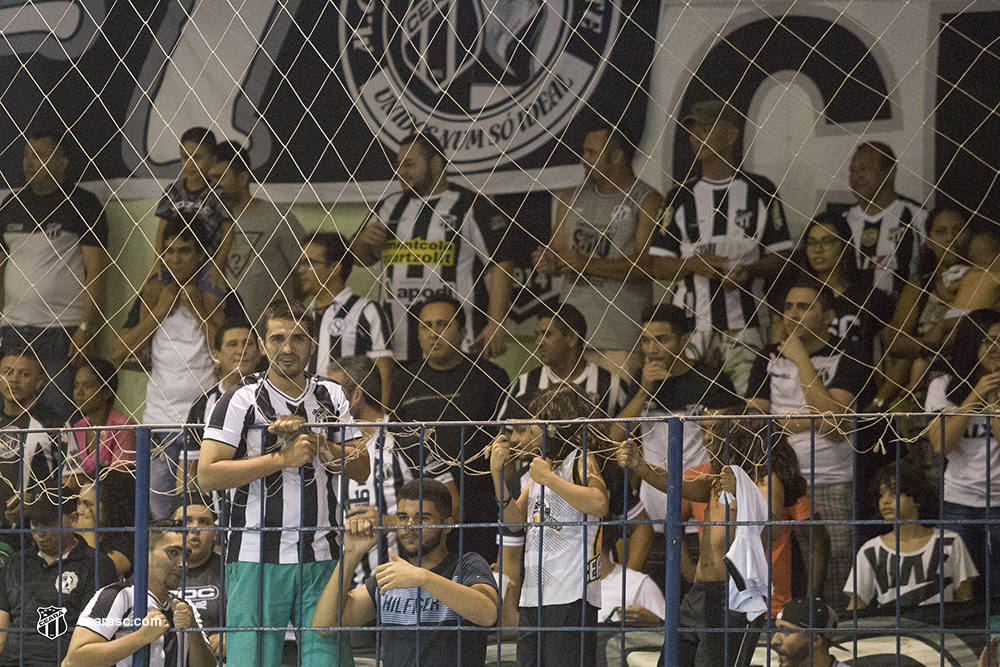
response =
{"points": [[44, 509], [709, 112], [797, 612]]}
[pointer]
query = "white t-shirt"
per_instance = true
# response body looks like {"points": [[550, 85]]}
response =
{"points": [[182, 369], [876, 565], [568, 551], [776, 379], [965, 475], [640, 589]]}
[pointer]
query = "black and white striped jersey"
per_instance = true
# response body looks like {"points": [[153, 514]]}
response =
{"points": [[889, 241], [109, 614], [740, 218], [436, 246], [351, 325], [295, 497], [29, 456], [196, 420], [389, 472], [606, 390]]}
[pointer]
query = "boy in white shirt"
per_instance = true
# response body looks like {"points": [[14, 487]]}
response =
{"points": [[912, 551]]}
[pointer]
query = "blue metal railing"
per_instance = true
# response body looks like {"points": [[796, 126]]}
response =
{"points": [[855, 628]]}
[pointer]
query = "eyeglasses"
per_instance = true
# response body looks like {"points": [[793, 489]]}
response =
{"points": [[307, 262], [824, 243]]}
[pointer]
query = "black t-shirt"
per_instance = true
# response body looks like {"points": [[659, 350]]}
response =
{"points": [[438, 643], [203, 590], [468, 392], [702, 387], [68, 583]]}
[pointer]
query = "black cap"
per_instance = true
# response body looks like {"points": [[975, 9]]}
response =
{"points": [[44, 509], [797, 613]]}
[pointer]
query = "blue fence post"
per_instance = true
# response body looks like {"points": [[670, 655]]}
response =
{"points": [[673, 535], [140, 557]]}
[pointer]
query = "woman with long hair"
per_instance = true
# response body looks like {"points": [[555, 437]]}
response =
{"points": [[968, 439], [94, 394], [917, 332]]}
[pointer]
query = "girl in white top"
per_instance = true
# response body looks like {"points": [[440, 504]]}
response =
{"points": [[969, 442], [567, 495]]}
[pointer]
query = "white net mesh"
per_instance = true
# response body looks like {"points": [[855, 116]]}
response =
{"points": [[320, 97]]}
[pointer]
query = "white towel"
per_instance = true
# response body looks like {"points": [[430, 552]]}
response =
{"points": [[746, 561]]}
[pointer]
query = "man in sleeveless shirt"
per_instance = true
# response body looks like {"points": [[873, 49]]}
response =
{"points": [[600, 240], [180, 321]]}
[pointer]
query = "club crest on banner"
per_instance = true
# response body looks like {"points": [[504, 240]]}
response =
{"points": [[491, 79]]}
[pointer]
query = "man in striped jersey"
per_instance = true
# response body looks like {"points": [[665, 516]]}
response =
{"points": [[434, 239], [107, 632], [277, 480], [559, 337], [721, 235], [347, 324], [236, 354], [375, 498], [888, 229]]}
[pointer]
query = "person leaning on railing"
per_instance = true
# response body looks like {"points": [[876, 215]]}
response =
{"points": [[567, 494], [108, 633], [425, 586]]}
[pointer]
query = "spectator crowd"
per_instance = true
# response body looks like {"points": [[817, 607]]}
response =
{"points": [[294, 479]]}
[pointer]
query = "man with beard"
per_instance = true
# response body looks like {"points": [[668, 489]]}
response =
{"points": [[435, 238], [600, 244], [280, 478], [812, 647], [423, 586]]}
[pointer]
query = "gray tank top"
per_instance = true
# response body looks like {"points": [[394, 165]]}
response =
{"points": [[604, 226]]}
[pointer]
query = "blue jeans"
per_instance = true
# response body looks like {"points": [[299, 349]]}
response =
{"points": [[982, 540], [163, 471], [52, 347]]}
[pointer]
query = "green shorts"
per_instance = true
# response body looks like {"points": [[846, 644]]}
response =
{"points": [[291, 592]]}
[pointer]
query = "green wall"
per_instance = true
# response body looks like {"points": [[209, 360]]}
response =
{"points": [[133, 225]]}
